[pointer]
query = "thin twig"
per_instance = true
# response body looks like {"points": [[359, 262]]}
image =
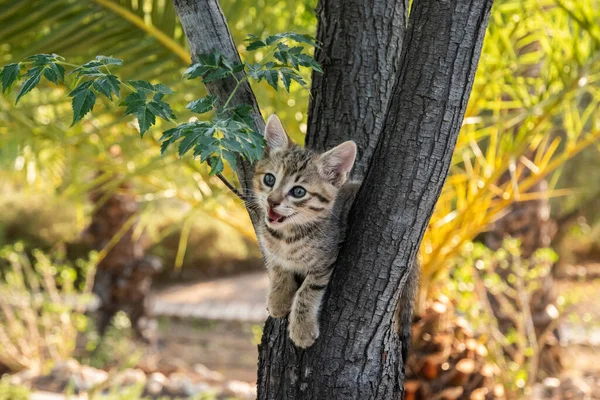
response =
{"points": [[231, 187]]}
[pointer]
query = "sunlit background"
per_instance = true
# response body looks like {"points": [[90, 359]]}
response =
{"points": [[511, 258]]}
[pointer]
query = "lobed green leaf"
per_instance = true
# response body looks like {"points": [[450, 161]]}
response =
{"points": [[108, 85], [9, 75], [216, 165], [202, 105], [83, 100], [33, 78]]}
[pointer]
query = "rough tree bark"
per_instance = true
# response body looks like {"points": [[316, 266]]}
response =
{"points": [[413, 106], [360, 56]]}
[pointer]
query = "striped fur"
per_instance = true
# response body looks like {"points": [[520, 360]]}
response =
{"points": [[306, 240]]}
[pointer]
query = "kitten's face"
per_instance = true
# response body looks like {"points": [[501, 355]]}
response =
{"points": [[294, 186]]}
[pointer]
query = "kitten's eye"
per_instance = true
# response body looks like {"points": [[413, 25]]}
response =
{"points": [[297, 192], [269, 180]]}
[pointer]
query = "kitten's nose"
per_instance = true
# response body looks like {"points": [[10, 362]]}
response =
{"points": [[273, 202]]}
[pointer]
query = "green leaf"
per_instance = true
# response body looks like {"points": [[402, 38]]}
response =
{"points": [[286, 80], [226, 64], [51, 75], [137, 104], [216, 75], [83, 100], [271, 77], [107, 85], [90, 72], [160, 108], [9, 76], [170, 136], [274, 38], [145, 110], [196, 70], [206, 63], [164, 89], [59, 70], [206, 147], [34, 75], [216, 165], [233, 145], [109, 60], [90, 68], [230, 157], [242, 113], [44, 59], [237, 67], [145, 119], [282, 53], [202, 105], [92, 64], [249, 150], [256, 44], [142, 85], [301, 38], [307, 61], [51, 70], [287, 75], [190, 141], [298, 79]]}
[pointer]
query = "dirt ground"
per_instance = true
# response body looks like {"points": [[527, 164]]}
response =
{"points": [[230, 346]]}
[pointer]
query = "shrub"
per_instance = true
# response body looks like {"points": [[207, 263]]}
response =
{"points": [[42, 304]]}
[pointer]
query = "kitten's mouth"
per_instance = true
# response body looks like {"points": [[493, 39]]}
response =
{"points": [[273, 217]]}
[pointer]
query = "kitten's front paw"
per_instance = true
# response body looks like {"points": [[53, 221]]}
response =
{"points": [[303, 332], [279, 306]]}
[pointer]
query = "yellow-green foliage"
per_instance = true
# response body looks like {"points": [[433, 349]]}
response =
{"points": [[477, 271], [9, 391], [533, 106]]}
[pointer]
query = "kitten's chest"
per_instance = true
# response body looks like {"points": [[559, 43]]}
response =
{"points": [[297, 254]]}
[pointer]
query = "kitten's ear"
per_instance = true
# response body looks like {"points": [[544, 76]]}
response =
{"points": [[337, 163], [275, 135]]}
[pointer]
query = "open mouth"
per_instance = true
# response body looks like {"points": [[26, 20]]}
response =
{"points": [[275, 218]]}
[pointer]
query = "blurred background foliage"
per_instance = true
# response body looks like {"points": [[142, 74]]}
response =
{"points": [[532, 118], [528, 147], [48, 168]]}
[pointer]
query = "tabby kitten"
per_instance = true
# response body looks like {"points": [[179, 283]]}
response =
{"points": [[303, 199]]}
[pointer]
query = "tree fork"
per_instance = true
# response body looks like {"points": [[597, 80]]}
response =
{"points": [[414, 133]]}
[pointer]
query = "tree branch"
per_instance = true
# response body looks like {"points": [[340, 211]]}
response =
{"points": [[231, 187]]}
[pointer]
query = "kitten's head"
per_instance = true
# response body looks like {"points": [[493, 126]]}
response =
{"points": [[296, 186]]}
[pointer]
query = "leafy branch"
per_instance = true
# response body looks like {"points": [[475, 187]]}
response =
{"points": [[226, 136]]}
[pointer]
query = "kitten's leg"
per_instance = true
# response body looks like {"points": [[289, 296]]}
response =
{"points": [[304, 318], [281, 291]]}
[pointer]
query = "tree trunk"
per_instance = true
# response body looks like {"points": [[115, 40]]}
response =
{"points": [[360, 57], [414, 106], [124, 276]]}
